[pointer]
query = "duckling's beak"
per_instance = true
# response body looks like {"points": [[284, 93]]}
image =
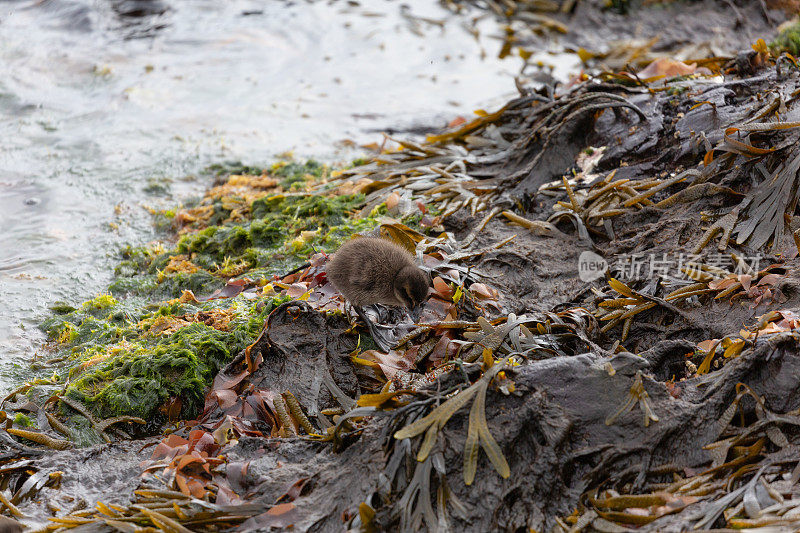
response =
{"points": [[416, 312]]}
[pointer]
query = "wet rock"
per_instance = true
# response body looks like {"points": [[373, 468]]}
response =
{"points": [[302, 351]]}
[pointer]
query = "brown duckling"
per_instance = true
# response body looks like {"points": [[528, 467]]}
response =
{"points": [[369, 271]]}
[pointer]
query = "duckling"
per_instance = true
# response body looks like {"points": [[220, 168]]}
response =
{"points": [[376, 271], [369, 271]]}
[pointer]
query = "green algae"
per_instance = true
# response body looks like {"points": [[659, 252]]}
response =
{"points": [[127, 362], [284, 231], [225, 249], [296, 174], [21, 420], [139, 379], [788, 40]]}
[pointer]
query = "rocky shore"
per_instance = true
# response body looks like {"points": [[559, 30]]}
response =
{"points": [[611, 343]]}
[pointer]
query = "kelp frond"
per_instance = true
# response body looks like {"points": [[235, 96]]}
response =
{"points": [[478, 431]]}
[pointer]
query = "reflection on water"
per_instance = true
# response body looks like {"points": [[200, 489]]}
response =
{"points": [[99, 97]]}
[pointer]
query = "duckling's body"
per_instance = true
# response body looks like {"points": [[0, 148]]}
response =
{"points": [[369, 271]]}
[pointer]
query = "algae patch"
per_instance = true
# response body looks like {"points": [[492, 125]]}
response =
{"points": [[247, 225], [788, 40]]}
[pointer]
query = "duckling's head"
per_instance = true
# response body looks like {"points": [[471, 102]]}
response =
{"points": [[411, 286]]}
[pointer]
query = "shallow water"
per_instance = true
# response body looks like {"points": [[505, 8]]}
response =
{"points": [[100, 98]]}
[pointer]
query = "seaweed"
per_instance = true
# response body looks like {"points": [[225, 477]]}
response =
{"points": [[478, 433]]}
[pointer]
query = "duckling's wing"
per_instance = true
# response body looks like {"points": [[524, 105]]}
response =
{"points": [[363, 279]]}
